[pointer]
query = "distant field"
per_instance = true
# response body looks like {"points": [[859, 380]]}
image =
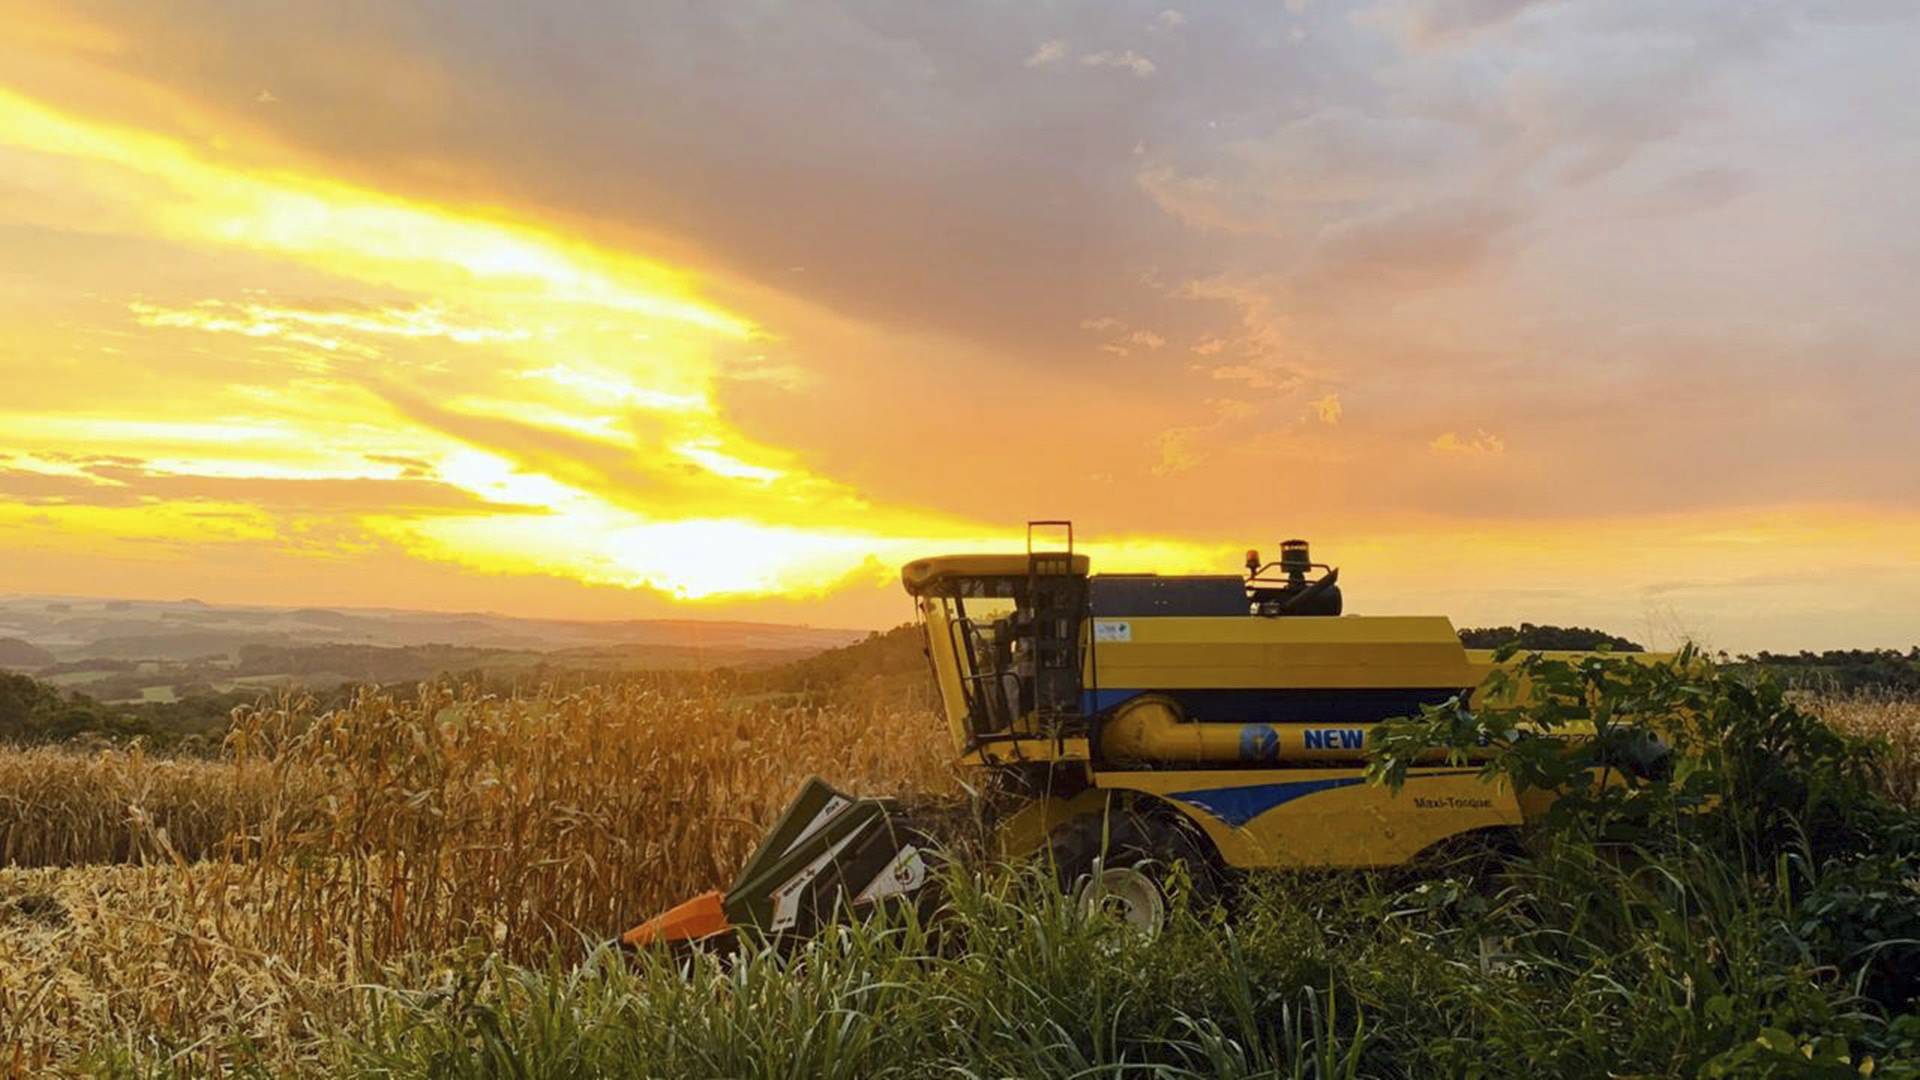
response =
{"points": [[128, 652], [68, 679]]}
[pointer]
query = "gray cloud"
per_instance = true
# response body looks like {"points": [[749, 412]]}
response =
{"points": [[1446, 210], [1429, 22], [1419, 245]]}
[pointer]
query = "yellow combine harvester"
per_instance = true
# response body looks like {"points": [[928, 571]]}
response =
{"points": [[1126, 723]]}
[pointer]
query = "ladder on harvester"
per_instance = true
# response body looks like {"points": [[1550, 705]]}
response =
{"points": [[1057, 602]]}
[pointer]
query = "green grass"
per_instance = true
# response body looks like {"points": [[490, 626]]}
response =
{"points": [[1560, 964], [1008, 980]]}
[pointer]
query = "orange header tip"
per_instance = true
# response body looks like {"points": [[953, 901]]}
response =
{"points": [[701, 917]]}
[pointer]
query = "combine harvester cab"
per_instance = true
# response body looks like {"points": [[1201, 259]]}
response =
{"points": [[1125, 723]]}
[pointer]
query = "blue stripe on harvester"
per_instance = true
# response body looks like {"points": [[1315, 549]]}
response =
{"points": [[1095, 702], [1238, 805]]}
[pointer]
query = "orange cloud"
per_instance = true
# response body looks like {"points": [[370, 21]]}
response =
{"points": [[1479, 444], [573, 430], [1326, 408]]}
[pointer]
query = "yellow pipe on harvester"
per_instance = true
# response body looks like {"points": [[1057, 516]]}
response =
{"points": [[1151, 730]]}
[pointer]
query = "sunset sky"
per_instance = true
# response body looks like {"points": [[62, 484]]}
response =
{"points": [[1594, 312]]}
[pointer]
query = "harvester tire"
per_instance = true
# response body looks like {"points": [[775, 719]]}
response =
{"points": [[1479, 857], [1161, 847]]}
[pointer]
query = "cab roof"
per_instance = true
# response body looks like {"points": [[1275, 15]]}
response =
{"points": [[923, 576]]}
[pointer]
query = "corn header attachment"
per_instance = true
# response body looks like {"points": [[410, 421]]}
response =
{"points": [[829, 856]]}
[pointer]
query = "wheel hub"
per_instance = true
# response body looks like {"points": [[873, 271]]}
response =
{"points": [[1126, 895]]}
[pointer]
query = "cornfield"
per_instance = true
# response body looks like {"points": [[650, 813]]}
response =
{"points": [[329, 848], [1893, 719], [185, 911], [65, 808]]}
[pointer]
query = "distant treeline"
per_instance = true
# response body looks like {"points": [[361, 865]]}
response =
{"points": [[1844, 671], [34, 712], [886, 667], [1546, 638], [1840, 670]]}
